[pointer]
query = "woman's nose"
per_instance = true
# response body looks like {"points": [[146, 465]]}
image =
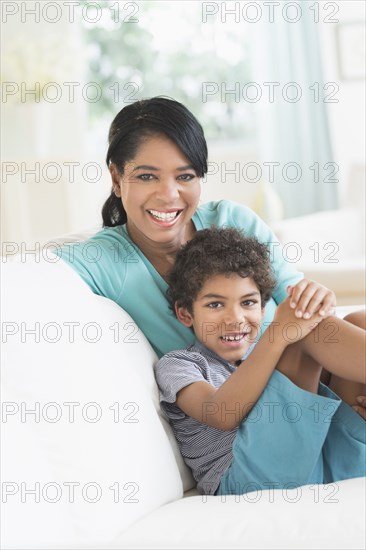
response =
{"points": [[167, 190]]}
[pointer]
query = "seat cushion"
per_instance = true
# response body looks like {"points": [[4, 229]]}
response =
{"points": [[80, 425], [330, 517]]}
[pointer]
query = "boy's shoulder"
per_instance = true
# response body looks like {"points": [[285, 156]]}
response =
{"points": [[187, 364], [191, 353]]}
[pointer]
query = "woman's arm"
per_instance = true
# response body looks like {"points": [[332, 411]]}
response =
{"points": [[360, 408], [100, 261], [307, 296]]}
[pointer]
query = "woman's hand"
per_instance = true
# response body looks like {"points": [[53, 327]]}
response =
{"points": [[292, 330], [360, 408], [308, 297]]}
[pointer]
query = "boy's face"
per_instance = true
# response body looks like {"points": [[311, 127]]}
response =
{"points": [[227, 314]]}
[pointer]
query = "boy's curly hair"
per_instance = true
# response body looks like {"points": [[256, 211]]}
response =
{"points": [[219, 251]]}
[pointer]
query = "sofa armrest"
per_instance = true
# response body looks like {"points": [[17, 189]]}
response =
{"points": [[316, 232]]}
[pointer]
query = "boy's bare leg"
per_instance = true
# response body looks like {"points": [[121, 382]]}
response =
{"points": [[339, 346], [300, 368], [300, 363], [347, 390]]}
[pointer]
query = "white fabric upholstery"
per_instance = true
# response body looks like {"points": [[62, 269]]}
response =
{"points": [[306, 518], [131, 450], [101, 371]]}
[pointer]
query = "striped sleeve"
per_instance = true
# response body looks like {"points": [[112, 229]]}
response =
{"points": [[174, 372]]}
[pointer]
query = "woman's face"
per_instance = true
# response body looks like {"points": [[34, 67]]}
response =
{"points": [[160, 191]]}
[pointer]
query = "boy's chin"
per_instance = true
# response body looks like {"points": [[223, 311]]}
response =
{"points": [[237, 358]]}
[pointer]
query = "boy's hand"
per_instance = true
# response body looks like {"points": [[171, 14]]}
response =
{"points": [[291, 329], [308, 297]]}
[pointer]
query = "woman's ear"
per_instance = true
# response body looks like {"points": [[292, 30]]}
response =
{"points": [[116, 179], [183, 315]]}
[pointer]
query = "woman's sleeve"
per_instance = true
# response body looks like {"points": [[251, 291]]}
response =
{"points": [[283, 267], [99, 263]]}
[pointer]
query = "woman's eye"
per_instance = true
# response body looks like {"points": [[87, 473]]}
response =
{"points": [[187, 177], [145, 177]]}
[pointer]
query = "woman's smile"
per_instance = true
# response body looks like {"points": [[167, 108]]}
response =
{"points": [[165, 218]]}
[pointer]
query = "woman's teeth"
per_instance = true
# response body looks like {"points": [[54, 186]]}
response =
{"points": [[164, 216]]}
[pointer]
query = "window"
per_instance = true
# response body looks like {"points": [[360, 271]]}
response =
{"points": [[142, 49]]}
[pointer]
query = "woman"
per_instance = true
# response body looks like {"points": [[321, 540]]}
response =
{"points": [[157, 155]]}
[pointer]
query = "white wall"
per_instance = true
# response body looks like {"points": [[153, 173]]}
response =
{"points": [[45, 136], [56, 133], [346, 119]]}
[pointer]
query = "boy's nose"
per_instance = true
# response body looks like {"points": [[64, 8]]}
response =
{"points": [[234, 315]]}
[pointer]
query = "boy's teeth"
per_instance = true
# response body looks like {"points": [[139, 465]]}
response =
{"points": [[164, 216], [232, 338]]}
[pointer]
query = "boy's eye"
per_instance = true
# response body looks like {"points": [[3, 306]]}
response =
{"points": [[247, 303], [214, 305]]}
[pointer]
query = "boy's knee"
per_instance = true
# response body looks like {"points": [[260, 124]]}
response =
{"points": [[357, 318]]}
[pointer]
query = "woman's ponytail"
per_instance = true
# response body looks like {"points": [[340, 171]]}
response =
{"points": [[113, 212]]}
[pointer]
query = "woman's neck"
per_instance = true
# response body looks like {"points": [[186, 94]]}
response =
{"points": [[161, 255]]}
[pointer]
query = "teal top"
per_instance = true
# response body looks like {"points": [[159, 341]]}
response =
{"points": [[114, 267]]}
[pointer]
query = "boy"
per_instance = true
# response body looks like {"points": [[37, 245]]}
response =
{"points": [[248, 416]]}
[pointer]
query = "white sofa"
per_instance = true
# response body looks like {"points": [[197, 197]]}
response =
{"points": [[95, 465]]}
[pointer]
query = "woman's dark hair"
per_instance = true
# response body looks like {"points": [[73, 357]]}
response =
{"points": [[147, 118], [219, 251]]}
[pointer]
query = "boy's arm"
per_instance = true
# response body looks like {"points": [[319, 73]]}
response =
{"points": [[225, 407]]}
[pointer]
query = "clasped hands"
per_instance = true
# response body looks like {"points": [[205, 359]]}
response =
{"points": [[308, 297]]}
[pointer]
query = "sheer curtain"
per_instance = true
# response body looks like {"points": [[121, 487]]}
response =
{"points": [[47, 183], [293, 122]]}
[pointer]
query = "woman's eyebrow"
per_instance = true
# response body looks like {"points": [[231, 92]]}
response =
{"points": [[145, 167], [155, 169], [188, 167]]}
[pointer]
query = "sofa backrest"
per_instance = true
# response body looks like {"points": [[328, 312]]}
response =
{"points": [[85, 449]]}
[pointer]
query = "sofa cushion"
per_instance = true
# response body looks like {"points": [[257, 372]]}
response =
{"points": [[93, 450], [331, 517]]}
